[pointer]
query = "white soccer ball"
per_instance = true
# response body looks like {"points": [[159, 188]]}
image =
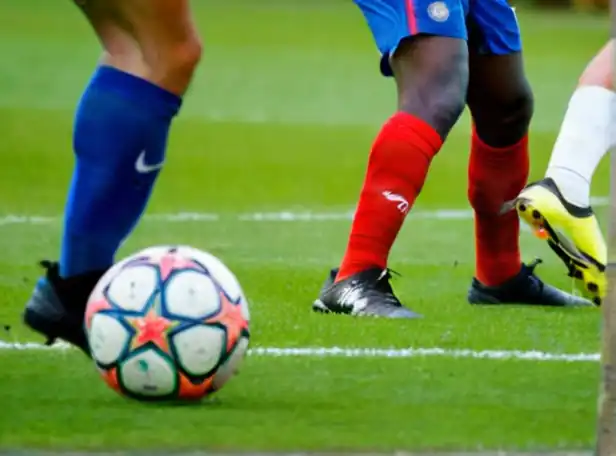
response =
{"points": [[168, 323]]}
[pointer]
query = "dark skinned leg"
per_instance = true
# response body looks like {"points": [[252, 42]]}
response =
{"points": [[499, 97], [431, 74], [501, 103]]}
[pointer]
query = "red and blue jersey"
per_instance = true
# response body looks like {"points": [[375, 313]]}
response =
{"points": [[490, 26]]}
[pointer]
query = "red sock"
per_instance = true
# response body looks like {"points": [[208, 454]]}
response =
{"points": [[496, 175], [397, 169]]}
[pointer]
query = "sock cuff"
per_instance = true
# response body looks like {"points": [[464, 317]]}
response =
{"points": [[480, 144], [420, 128], [595, 91], [594, 107], [126, 85]]}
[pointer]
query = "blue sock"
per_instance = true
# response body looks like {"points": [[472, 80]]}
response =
{"points": [[121, 129]]}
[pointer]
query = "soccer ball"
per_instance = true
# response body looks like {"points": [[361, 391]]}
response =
{"points": [[168, 323]]}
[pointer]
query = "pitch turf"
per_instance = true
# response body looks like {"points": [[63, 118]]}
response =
{"points": [[280, 119]]}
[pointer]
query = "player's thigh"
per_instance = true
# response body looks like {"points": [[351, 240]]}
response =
{"points": [[499, 95], [600, 70], [495, 48], [394, 21], [158, 26], [422, 44], [496, 79], [112, 34]]}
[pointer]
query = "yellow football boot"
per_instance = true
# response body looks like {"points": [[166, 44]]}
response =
{"points": [[572, 232]]}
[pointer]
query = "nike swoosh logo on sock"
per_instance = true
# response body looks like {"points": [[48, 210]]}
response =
{"points": [[143, 168]]}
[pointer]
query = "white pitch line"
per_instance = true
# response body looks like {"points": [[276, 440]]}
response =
{"points": [[322, 352], [341, 352], [280, 216]]}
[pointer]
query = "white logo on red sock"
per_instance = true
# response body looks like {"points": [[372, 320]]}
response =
{"points": [[403, 204]]}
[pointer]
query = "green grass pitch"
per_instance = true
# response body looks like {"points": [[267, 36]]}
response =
{"points": [[268, 157]]}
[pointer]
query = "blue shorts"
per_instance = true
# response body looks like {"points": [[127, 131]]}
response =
{"points": [[490, 26]]}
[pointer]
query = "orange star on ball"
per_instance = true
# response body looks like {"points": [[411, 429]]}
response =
{"points": [[151, 328]]}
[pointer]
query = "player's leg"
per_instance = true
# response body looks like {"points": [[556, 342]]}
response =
{"points": [[123, 121], [424, 48], [558, 206], [120, 136], [501, 103], [588, 130]]}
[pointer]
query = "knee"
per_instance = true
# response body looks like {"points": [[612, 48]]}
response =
{"points": [[169, 65], [517, 111], [439, 105], [433, 85], [181, 60], [502, 119], [172, 65]]}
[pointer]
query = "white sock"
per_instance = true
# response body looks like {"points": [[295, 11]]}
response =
{"points": [[587, 133]]}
